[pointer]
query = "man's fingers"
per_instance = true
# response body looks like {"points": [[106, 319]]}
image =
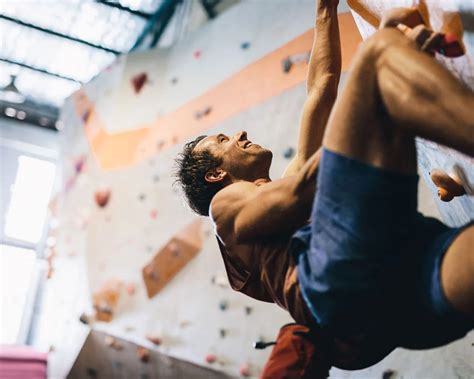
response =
{"points": [[432, 42], [419, 34]]}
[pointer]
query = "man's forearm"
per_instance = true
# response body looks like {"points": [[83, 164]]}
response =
{"points": [[325, 59]]}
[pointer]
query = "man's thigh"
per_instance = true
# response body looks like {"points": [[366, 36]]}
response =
{"points": [[359, 126]]}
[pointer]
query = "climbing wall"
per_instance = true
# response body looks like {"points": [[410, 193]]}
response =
{"points": [[131, 263], [445, 16]]}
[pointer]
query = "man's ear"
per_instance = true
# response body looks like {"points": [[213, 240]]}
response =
{"points": [[215, 175]]}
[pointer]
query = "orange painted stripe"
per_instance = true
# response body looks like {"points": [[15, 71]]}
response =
{"points": [[254, 84]]}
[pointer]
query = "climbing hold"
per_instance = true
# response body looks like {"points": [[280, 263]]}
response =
{"points": [[85, 319], [289, 152], [102, 197], [174, 80], [286, 65], [448, 186], [143, 354], [79, 165], [388, 374], [153, 214], [244, 370], [138, 81], [202, 113], [156, 178], [222, 332], [197, 54], [131, 289], [223, 305], [86, 115], [153, 339], [211, 358], [248, 310], [141, 197], [289, 61], [245, 45]]}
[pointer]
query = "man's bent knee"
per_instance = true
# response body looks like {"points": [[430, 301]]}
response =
{"points": [[382, 40]]}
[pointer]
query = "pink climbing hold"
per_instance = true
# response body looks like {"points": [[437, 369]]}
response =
{"points": [[153, 214], [244, 370], [131, 289], [197, 54], [211, 358]]}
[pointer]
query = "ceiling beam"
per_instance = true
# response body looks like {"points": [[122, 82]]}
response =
{"points": [[162, 10], [125, 9], [43, 71], [57, 34]]}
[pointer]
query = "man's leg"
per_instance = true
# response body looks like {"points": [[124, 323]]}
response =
{"points": [[457, 272], [394, 93]]}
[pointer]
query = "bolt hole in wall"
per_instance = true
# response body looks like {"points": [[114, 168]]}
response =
{"points": [[28, 175]]}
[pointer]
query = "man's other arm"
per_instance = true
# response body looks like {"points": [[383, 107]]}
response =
{"points": [[323, 79], [244, 212]]}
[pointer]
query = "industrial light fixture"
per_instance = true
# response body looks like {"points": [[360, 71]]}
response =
{"points": [[11, 93]]}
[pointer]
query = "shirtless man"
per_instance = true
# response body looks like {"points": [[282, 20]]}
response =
{"points": [[368, 273]]}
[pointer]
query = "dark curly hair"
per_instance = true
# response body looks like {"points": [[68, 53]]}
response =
{"points": [[191, 169]]}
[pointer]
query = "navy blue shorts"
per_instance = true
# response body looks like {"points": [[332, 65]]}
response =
{"points": [[369, 263]]}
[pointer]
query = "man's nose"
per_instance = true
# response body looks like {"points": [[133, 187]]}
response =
{"points": [[242, 135]]}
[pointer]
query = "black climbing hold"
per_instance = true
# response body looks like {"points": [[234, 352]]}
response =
{"points": [[174, 80], [223, 305], [222, 332], [388, 374], [248, 310], [289, 152], [142, 197], [245, 45], [286, 65]]}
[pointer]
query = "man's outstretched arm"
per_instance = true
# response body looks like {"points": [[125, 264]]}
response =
{"points": [[323, 78]]}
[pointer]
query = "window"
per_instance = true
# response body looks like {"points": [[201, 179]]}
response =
{"points": [[31, 193], [17, 267]]}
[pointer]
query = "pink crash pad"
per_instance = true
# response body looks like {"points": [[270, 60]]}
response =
{"points": [[19, 362]]}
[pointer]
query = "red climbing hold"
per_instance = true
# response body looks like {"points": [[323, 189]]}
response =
{"points": [[138, 81], [102, 197]]}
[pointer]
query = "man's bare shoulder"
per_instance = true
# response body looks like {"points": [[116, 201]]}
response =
{"points": [[231, 197], [228, 202]]}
